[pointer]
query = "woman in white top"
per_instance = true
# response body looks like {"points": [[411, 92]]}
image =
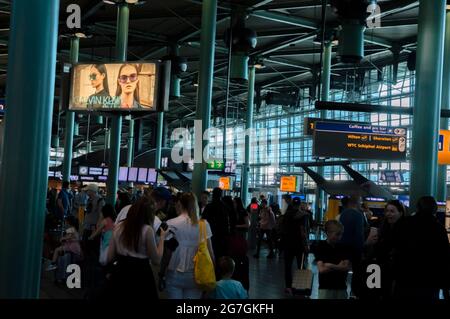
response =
{"points": [[180, 274], [133, 246]]}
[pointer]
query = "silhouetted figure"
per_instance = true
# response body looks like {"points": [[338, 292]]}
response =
{"points": [[216, 213], [421, 254]]}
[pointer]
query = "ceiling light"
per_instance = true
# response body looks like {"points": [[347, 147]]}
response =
{"points": [[131, 1], [80, 35], [259, 65], [108, 2]]}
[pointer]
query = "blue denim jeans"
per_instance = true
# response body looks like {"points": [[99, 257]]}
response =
{"points": [[181, 285]]}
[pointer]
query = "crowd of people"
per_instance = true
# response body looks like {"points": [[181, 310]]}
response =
{"points": [[412, 253], [146, 244]]}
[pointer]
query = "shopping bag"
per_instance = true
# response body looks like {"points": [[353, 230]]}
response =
{"points": [[204, 273], [302, 280]]}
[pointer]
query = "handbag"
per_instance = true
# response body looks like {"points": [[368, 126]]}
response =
{"points": [[204, 273], [302, 280]]}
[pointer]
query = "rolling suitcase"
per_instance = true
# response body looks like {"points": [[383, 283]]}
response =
{"points": [[302, 280]]}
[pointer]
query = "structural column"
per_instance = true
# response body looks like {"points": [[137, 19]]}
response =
{"points": [[70, 117], [123, 16], [430, 51], [130, 154], [248, 127], [441, 194], [159, 139], [28, 120], [325, 92], [208, 35]]}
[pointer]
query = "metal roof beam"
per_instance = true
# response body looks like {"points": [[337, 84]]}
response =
{"points": [[311, 24], [287, 19], [283, 44]]}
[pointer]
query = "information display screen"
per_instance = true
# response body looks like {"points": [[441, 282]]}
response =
{"points": [[95, 171], [225, 183], [391, 177], [132, 174], [152, 175], [123, 174], [142, 175], [355, 141], [288, 184], [135, 174]]}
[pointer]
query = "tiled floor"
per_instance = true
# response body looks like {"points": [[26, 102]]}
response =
{"points": [[266, 281]]}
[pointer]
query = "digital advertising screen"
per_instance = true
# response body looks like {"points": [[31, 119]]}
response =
{"points": [[355, 141], [114, 86]]}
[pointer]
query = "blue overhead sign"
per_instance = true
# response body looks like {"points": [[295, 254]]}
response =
{"points": [[359, 141]]}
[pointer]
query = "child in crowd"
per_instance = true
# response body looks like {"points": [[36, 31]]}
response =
{"points": [[333, 263], [70, 242], [105, 228], [228, 288]]}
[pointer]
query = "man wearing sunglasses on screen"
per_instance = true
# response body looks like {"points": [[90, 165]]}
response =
{"points": [[128, 86]]}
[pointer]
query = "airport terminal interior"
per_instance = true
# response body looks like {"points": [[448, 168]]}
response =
{"points": [[299, 146]]}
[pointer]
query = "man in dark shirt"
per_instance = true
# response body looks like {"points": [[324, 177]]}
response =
{"points": [[333, 263], [421, 254], [216, 214]]}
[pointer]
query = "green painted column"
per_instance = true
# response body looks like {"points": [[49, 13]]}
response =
{"points": [[430, 51], [325, 93], [28, 122], [159, 139], [130, 153], [248, 126], [208, 35], [70, 117], [441, 194], [123, 16]]}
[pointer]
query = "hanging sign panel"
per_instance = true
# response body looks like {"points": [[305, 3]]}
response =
{"points": [[355, 141], [288, 184], [444, 147], [225, 183]]}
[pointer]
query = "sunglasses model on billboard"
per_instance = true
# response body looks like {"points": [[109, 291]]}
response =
{"points": [[127, 86]]}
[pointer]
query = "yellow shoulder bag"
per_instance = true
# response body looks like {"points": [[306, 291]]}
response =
{"points": [[204, 274]]}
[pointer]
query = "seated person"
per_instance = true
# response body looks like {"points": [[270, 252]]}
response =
{"points": [[70, 242], [228, 288], [333, 263]]}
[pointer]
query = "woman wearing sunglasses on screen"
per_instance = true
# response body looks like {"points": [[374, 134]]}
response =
{"points": [[128, 86], [98, 77]]}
